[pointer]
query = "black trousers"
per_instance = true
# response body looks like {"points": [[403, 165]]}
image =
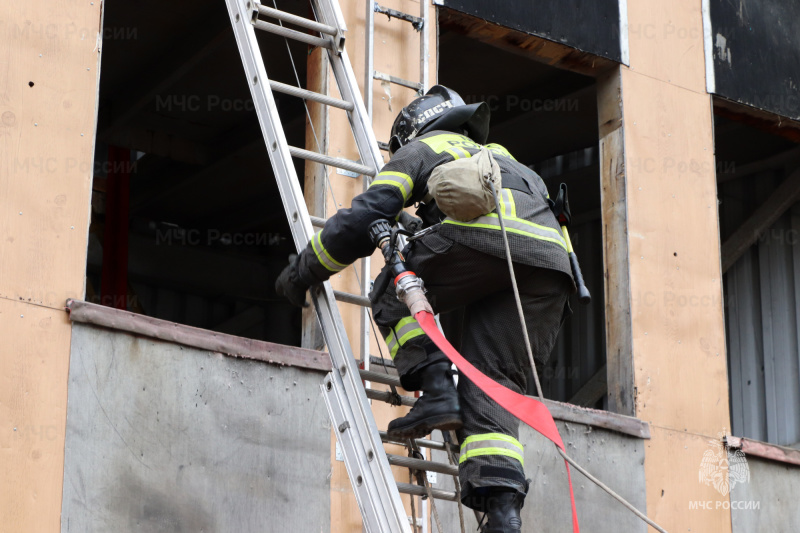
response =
{"points": [[472, 293]]}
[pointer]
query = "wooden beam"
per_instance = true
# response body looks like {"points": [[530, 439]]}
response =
{"points": [[228, 345], [316, 179], [616, 264], [777, 161], [787, 193], [593, 390], [758, 118]]}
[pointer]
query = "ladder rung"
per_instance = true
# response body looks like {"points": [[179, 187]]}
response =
{"points": [[384, 396], [317, 222], [310, 95], [355, 299], [292, 34], [397, 81], [337, 162], [420, 464], [416, 490], [380, 362], [303, 22], [416, 22], [422, 443], [380, 377]]}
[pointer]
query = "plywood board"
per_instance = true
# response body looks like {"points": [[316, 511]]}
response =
{"points": [[666, 41], [48, 96], [34, 360], [678, 330], [676, 498]]}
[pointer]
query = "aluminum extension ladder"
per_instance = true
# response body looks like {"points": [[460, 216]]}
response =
{"points": [[368, 465]]}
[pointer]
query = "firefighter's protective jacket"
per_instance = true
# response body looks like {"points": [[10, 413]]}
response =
{"points": [[534, 235]]}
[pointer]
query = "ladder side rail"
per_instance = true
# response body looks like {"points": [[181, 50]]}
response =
{"points": [[372, 510], [377, 476]]}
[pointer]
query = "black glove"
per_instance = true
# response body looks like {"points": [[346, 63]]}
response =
{"points": [[290, 286], [410, 222]]}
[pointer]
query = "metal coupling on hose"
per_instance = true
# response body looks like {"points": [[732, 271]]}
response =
{"points": [[411, 291]]}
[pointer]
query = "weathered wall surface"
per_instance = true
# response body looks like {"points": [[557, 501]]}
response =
{"points": [[162, 437], [754, 50], [616, 459], [768, 501], [49, 62]]}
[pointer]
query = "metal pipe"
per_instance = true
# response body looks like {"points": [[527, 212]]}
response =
{"points": [[292, 34], [332, 161], [422, 443], [296, 20], [384, 396], [310, 95], [380, 377], [398, 81], [416, 490], [354, 299], [421, 464]]}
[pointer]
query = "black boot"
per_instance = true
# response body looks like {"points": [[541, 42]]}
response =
{"points": [[502, 515], [438, 407]]}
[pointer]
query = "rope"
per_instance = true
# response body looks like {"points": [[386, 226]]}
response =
{"points": [[433, 503], [413, 509], [568, 459]]}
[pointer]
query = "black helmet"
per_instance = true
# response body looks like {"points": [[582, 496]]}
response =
{"points": [[440, 109]]}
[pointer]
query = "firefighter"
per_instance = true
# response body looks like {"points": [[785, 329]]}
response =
{"points": [[465, 272]]}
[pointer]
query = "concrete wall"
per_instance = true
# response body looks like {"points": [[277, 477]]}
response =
{"points": [[162, 437], [768, 502], [616, 459]]}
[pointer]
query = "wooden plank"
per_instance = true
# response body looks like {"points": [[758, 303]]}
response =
{"points": [[777, 161], [613, 201], [758, 118], [33, 414], [165, 330], [787, 193], [593, 390], [316, 180], [765, 450], [47, 120]]}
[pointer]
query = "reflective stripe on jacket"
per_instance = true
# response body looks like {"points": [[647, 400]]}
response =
{"points": [[533, 231]]}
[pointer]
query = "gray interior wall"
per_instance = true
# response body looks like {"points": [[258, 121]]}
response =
{"points": [[762, 295], [768, 502], [616, 459], [162, 437], [580, 350]]}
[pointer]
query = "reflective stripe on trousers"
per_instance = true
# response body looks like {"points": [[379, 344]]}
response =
{"points": [[406, 329], [491, 444]]}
